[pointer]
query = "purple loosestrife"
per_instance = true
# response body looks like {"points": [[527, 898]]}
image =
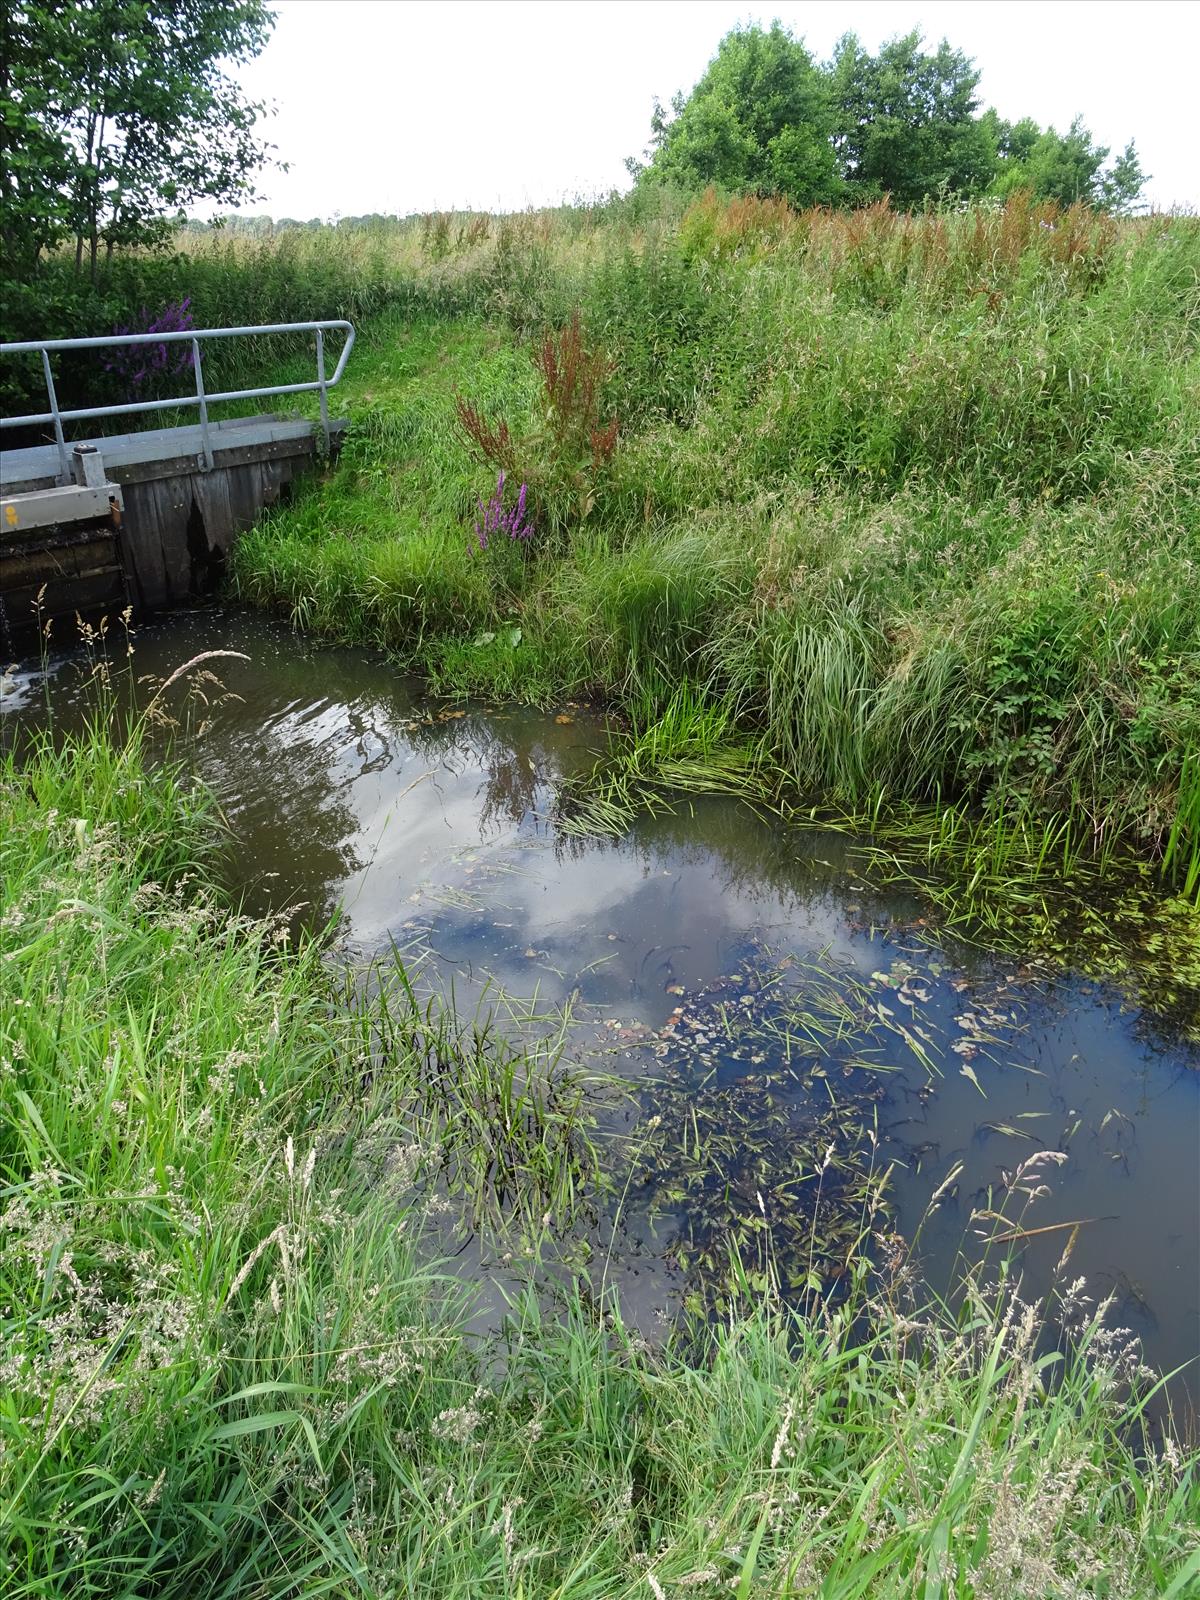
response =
{"points": [[137, 364], [493, 519]]}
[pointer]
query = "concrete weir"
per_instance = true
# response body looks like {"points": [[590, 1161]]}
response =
{"points": [[147, 523]]}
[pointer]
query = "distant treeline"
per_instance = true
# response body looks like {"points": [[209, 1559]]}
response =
{"points": [[905, 124], [257, 227], [768, 119]]}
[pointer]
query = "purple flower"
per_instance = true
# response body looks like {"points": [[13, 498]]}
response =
{"points": [[135, 364], [494, 519]]}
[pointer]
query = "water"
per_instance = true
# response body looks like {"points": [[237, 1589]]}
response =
{"points": [[433, 826]]}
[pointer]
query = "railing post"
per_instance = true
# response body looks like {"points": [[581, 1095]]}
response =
{"points": [[89, 466], [64, 461], [324, 393], [205, 443]]}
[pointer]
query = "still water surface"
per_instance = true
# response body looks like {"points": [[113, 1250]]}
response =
{"points": [[433, 826]]}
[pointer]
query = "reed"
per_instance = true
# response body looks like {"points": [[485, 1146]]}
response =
{"points": [[1181, 854]]}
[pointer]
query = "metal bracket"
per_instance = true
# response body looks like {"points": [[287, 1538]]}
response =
{"points": [[89, 466]]}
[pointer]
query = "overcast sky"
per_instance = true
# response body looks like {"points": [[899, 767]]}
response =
{"points": [[404, 105]]}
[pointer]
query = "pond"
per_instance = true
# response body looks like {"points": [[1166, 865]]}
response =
{"points": [[764, 1005]]}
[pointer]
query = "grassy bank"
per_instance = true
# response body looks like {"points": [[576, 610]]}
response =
{"points": [[915, 500], [229, 1369]]}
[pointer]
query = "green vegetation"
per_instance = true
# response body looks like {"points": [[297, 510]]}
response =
{"points": [[887, 513], [121, 114], [910, 502], [226, 1371], [767, 119], [116, 115]]}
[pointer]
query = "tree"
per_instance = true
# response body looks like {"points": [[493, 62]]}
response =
{"points": [[1066, 167], [759, 120], [766, 119], [905, 122], [35, 165], [117, 113], [1123, 182]]}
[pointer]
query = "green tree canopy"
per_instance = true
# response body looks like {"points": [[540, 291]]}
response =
{"points": [[767, 119], [1124, 181], [906, 123], [760, 120], [117, 113], [1066, 167]]}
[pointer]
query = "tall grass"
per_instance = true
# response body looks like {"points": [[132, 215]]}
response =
{"points": [[914, 495], [691, 747]]}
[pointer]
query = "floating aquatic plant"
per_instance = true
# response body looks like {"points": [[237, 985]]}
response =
{"points": [[761, 1144]]}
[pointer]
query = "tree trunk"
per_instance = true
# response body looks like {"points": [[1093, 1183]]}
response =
{"points": [[94, 208], [82, 183]]}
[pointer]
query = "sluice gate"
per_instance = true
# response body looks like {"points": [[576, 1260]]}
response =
{"points": [[147, 519]]}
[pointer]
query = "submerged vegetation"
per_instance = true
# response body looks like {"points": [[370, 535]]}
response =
{"points": [[228, 1370]]}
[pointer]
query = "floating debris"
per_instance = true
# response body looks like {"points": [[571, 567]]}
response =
{"points": [[763, 1173]]}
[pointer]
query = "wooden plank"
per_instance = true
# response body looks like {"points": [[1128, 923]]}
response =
{"points": [[151, 543], [214, 502], [245, 497], [90, 594], [31, 566], [168, 522], [143, 472]]}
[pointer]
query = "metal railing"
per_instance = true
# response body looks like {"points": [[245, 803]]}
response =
{"points": [[201, 398]]}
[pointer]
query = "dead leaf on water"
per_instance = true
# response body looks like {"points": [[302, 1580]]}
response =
{"points": [[969, 1072]]}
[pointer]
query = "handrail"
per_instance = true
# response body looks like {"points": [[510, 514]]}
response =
{"points": [[201, 399]]}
